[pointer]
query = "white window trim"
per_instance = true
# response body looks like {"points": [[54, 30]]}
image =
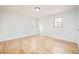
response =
{"points": [[58, 22]]}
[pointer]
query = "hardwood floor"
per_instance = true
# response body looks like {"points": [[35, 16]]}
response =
{"points": [[37, 44]]}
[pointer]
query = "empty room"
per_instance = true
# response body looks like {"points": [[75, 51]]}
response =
{"points": [[39, 29]]}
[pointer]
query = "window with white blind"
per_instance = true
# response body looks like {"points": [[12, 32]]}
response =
{"points": [[58, 22], [34, 24]]}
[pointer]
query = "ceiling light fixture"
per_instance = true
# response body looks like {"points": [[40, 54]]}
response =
{"points": [[37, 8]]}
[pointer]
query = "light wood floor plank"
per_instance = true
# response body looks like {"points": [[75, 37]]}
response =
{"points": [[37, 44]]}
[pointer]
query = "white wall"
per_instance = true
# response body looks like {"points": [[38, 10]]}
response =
{"points": [[13, 25], [66, 33], [77, 25]]}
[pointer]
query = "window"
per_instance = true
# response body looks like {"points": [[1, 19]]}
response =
{"points": [[58, 23], [34, 23]]}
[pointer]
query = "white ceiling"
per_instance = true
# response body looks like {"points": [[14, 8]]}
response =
{"points": [[44, 9]]}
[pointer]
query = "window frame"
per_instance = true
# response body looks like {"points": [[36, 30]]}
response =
{"points": [[61, 23]]}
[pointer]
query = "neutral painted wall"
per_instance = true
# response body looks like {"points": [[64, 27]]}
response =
{"points": [[66, 33], [14, 25], [77, 25]]}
